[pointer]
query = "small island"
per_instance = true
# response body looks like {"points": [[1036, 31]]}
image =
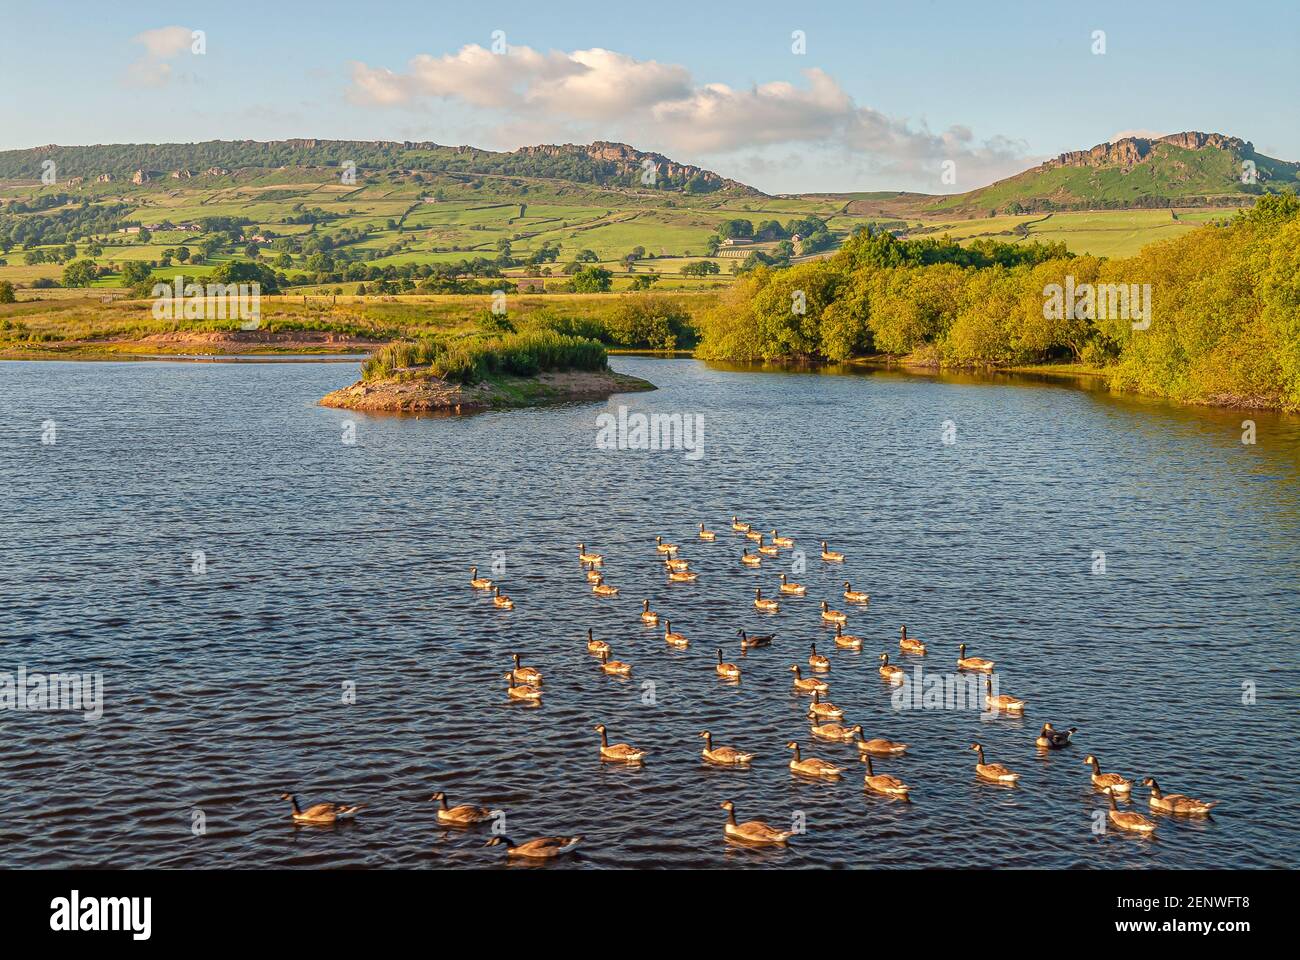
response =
{"points": [[446, 374]]}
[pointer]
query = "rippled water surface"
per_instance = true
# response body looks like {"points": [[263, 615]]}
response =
{"points": [[330, 564]]}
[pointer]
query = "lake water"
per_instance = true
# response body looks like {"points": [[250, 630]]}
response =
{"points": [[330, 564]]}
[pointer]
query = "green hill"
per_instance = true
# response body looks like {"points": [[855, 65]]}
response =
{"points": [[1182, 169], [599, 164]]}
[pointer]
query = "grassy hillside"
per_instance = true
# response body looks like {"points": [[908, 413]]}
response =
{"points": [[413, 210], [1168, 175]]}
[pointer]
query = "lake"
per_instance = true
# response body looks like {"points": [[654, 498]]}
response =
{"points": [[272, 608]]}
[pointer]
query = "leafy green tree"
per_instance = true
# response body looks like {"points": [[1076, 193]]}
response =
{"points": [[136, 272], [79, 273], [6, 292], [592, 280]]}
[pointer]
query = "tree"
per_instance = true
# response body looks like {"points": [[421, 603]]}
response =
{"points": [[79, 273], [136, 272], [700, 268], [592, 280], [735, 229], [587, 256], [243, 271], [6, 292]]}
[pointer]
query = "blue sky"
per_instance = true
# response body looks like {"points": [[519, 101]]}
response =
{"points": [[883, 95]]}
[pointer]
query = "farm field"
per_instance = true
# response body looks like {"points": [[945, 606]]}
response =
{"points": [[400, 223]]}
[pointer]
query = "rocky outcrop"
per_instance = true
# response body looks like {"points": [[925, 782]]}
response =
{"points": [[1131, 151], [628, 161]]}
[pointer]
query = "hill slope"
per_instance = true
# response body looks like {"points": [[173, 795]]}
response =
{"points": [[600, 163], [1182, 169]]}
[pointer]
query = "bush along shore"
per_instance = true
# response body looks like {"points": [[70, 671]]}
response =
{"points": [[1212, 317], [463, 374]]}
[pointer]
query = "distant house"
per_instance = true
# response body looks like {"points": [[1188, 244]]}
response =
{"points": [[736, 242]]}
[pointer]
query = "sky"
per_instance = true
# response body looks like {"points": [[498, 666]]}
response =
{"points": [[927, 95]]}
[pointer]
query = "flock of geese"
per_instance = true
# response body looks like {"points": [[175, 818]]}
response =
{"points": [[525, 684]]}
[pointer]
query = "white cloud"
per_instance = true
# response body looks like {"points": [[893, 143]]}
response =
{"points": [[160, 45], [603, 94], [164, 43]]}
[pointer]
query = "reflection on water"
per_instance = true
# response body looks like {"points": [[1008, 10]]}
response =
{"points": [[333, 647]]}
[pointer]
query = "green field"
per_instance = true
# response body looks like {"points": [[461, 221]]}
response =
{"points": [[403, 219]]}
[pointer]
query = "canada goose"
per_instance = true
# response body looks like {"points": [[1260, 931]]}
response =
{"points": [[648, 615], [746, 641], [835, 732], [753, 832], [821, 709], [1050, 739], [817, 661], [782, 541], [994, 772], [477, 582], [1125, 819], [754, 535], [883, 782], [321, 812], [522, 691], [681, 576], [723, 756], [593, 558], [738, 526], [728, 670], [1176, 802], [767, 549], [677, 566], [619, 752], [1003, 701], [854, 596], [662, 547], [813, 766], [674, 639], [460, 816], [750, 559], [768, 606], [596, 646], [707, 534], [889, 671], [796, 589], [616, 668], [530, 675], [543, 848], [831, 556], [846, 640], [878, 746], [832, 616], [807, 684], [972, 663], [592, 573], [505, 603], [907, 644], [1107, 781], [602, 589]]}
